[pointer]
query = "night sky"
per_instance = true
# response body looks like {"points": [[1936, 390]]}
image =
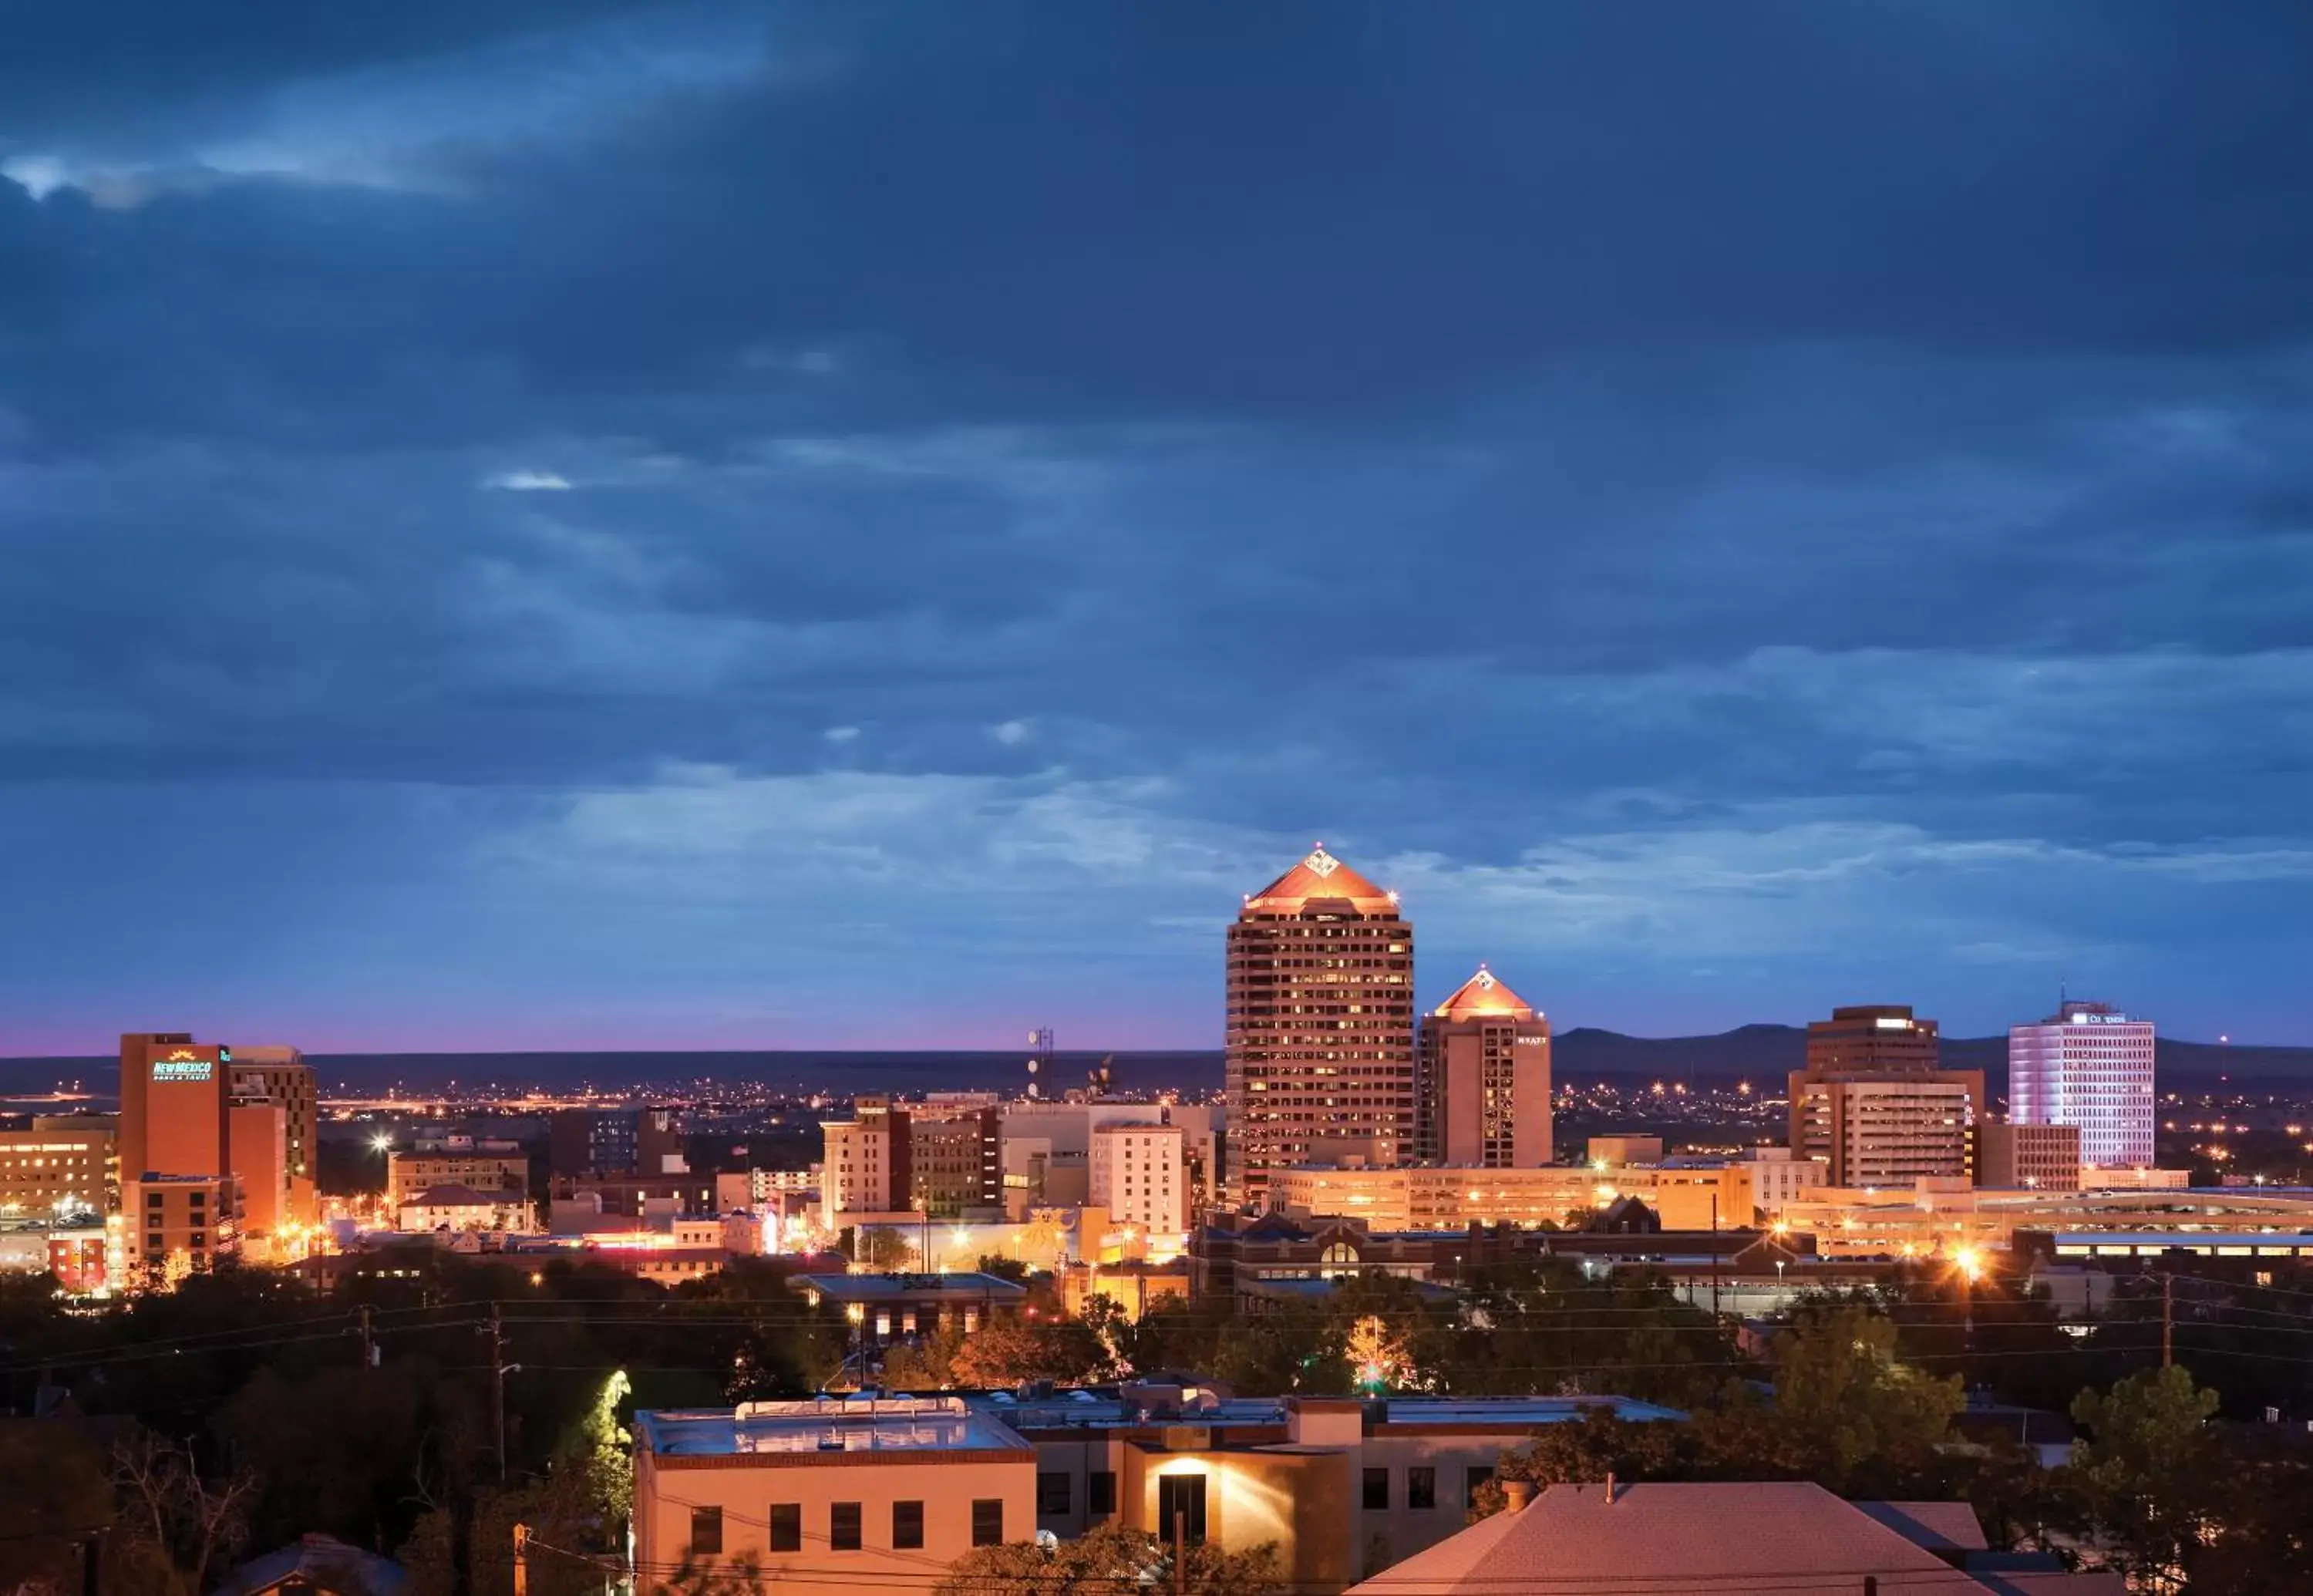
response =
{"points": [[557, 525]]}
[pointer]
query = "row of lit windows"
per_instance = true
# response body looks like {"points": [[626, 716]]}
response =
{"points": [[845, 1527]]}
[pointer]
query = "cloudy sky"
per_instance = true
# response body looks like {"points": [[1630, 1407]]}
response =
{"points": [[569, 524]]}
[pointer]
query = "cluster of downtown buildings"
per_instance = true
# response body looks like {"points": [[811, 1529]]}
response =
{"points": [[1342, 1105], [1354, 1135], [212, 1155]]}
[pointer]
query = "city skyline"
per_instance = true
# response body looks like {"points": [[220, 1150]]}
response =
{"points": [[557, 526]]}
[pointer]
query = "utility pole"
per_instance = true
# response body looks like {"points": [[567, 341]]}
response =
{"points": [[499, 1370], [91, 1558], [1714, 1257], [1180, 1551], [2167, 1319], [369, 1346], [522, 1560]]}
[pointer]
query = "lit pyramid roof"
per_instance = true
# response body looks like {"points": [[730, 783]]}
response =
{"points": [[1482, 996], [1322, 875]]}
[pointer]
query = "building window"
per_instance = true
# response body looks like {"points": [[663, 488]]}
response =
{"points": [[1100, 1493], [1051, 1494], [1479, 1474], [1376, 1490], [843, 1527], [787, 1526], [706, 1531], [1421, 1487], [987, 1521], [907, 1526], [1180, 1496]]}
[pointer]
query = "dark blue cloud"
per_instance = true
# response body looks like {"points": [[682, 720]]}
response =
{"points": [[638, 521]]}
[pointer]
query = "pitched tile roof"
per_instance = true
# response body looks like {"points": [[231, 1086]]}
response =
{"points": [[1765, 1539]]}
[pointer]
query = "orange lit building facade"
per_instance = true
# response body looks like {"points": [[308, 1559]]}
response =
{"points": [[1320, 1065], [174, 1096], [1482, 1097]]}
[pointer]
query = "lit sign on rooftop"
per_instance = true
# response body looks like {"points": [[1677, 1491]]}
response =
{"points": [[1888, 1023], [183, 1065]]}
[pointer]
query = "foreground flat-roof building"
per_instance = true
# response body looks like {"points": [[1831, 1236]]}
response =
{"points": [[837, 1494], [840, 1493]]}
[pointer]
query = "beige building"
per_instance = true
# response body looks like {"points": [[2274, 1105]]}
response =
{"points": [[461, 1208], [406, 1173], [1625, 1149], [63, 1160], [830, 1497], [1425, 1197], [2045, 1157], [1938, 1217], [1140, 1175], [1482, 1079], [866, 1165], [1319, 1055], [1778, 1179]]}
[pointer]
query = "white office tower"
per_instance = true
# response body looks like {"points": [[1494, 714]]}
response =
{"points": [[2091, 1068]]}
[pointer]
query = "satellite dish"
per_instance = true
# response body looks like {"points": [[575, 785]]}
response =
{"points": [[1046, 1541]]}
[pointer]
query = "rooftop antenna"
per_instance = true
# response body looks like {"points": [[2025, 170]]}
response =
{"points": [[1040, 1055]]}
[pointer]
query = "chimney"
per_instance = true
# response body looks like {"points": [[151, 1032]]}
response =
{"points": [[1610, 1489], [1516, 1494]]}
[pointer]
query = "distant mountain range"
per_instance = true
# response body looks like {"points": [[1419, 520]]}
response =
{"points": [[1761, 1052]]}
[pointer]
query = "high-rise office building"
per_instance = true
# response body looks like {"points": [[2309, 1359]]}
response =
{"points": [[2090, 1066], [1320, 1042], [955, 1161], [1876, 1037], [1482, 1096], [593, 1141], [174, 1096], [1875, 1105]]}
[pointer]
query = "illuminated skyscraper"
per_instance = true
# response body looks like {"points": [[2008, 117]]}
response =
{"points": [[2090, 1067], [1320, 1046], [1875, 1103], [1484, 1095], [173, 1104]]}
